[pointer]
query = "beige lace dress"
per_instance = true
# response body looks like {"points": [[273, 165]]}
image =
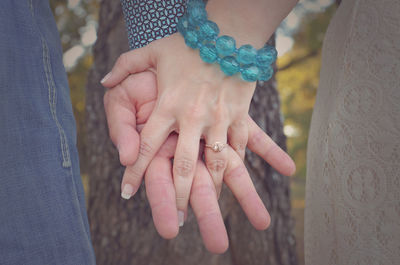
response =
{"points": [[352, 211]]}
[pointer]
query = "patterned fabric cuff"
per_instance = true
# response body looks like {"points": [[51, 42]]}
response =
{"points": [[148, 20]]}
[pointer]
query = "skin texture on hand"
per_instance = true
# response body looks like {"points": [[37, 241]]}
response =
{"points": [[128, 107], [249, 21], [195, 99], [198, 102]]}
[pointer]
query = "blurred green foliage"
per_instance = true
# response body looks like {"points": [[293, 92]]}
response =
{"points": [[298, 79], [297, 84]]}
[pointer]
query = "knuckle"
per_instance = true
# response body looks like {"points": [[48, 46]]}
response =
{"points": [[208, 216], [216, 165], [240, 123], [182, 200], [145, 149], [160, 204], [162, 181], [134, 177], [235, 173], [184, 167], [240, 146]]}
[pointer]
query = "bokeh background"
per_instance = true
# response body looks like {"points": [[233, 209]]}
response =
{"points": [[299, 42]]}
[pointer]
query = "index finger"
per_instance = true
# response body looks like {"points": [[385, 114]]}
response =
{"points": [[153, 135]]}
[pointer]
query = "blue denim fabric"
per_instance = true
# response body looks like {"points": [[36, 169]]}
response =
{"points": [[42, 206]]}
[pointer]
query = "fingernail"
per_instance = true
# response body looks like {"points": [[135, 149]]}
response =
{"points": [[105, 78], [127, 191], [181, 218]]}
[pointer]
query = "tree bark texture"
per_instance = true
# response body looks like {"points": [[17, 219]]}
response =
{"points": [[123, 232]]}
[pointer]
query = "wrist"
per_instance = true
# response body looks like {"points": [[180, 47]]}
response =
{"points": [[249, 21], [232, 17], [201, 33]]}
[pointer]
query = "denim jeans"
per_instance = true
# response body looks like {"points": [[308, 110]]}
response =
{"points": [[43, 217]]}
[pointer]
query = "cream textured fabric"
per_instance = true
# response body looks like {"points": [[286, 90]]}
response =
{"points": [[352, 211]]}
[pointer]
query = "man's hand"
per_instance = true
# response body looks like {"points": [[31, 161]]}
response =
{"points": [[128, 106]]}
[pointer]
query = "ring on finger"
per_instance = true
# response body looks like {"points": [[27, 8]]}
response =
{"points": [[216, 147]]}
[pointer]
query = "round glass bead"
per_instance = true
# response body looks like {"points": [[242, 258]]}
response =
{"points": [[208, 53], [208, 30], [191, 39], [225, 45], [229, 65], [266, 73], [196, 15], [247, 54], [266, 56], [250, 73], [183, 24]]}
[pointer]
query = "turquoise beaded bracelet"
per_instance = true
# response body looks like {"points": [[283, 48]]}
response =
{"points": [[201, 33]]}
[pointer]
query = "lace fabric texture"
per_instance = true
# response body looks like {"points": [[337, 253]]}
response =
{"points": [[352, 211]]}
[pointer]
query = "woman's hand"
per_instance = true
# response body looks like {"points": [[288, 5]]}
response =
{"points": [[197, 101], [128, 107]]}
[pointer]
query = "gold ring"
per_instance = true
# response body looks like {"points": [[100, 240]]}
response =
{"points": [[216, 147]]}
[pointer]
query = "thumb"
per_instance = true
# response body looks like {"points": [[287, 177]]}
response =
{"points": [[128, 63], [121, 120]]}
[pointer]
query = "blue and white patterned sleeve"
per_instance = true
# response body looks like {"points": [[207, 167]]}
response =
{"points": [[148, 20]]}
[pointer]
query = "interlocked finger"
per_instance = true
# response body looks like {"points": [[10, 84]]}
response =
{"points": [[161, 195], [239, 182], [186, 155], [151, 138], [215, 154], [203, 199], [238, 135]]}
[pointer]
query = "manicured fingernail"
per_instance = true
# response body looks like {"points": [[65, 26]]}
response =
{"points": [[105, 78], [127, 191], [181, 218]]}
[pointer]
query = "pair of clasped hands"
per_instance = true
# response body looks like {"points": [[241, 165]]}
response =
{"points": [[164, 104]]}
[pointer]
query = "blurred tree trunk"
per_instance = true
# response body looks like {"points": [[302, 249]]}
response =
{"points": [[123, 232]]}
